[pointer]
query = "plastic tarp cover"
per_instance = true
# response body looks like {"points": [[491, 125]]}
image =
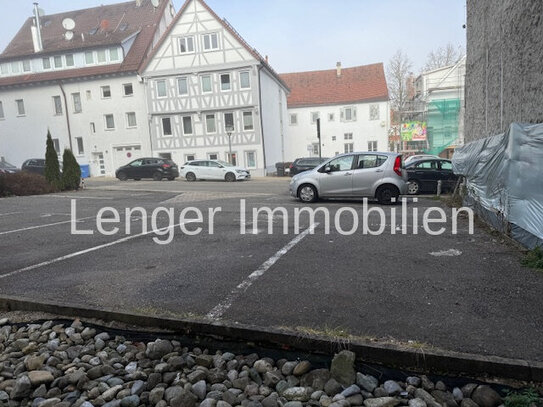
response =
{"points": [[504, 174]]}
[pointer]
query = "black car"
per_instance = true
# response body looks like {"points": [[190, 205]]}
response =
{"points": [[303, 164], [424, 174], [148, 167], [7, 168], [36, 165]]}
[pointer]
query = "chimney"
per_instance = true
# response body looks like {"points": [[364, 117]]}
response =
{"points": [[266, 59], [36, 31], [338, 69]]}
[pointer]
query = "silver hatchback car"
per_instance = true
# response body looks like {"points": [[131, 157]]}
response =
{"points": [[353, 175]]}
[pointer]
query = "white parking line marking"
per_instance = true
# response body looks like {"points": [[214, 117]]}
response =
{"points": [[79, 197], [223, 306], [43, 226], [91, 249], [9, 213]]}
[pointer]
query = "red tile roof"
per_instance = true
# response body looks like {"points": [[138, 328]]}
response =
{"points": [[140, 21], [358, 84]]}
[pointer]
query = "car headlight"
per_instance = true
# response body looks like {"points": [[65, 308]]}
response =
{"points": [[241, 171]]}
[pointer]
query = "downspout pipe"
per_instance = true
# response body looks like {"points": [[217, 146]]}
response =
{"points": [[261, 121], [67, 114]]}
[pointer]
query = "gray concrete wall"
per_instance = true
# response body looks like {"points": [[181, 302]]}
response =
{"points": [[504, 78]]}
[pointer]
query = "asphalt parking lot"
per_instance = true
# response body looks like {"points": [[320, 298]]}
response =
{"points": [[463, 292]]}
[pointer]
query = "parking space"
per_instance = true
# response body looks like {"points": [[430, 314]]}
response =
{"points": [[464, 292]]}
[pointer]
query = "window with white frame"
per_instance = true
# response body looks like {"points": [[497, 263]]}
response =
{"points": [[110, 122], [92, 127], [190, 157], [211, 124], [15, 67], [206, 83], [106, 92], [225, 81], [348, 114], [314, 117], [131, 120], [57, 61], [89, 95], [212, 156], [293, 119], [250, 159], [20, 107], [161, 88], [349, 147], [89, 57], [333, 138], [187, 124], [166, 126], [56, 145], [248, 121], [348, 136], [372, 145], [3, 69], [69, 60], [2, 110], [76, 100], [57, 103], [26, 65], [113, 54], [374, 112], [229, 121], [210, 41], [101, 56], [330, 117], [46, 63], [186, 45], [80, 148], [128, 89], [244, 80], [182, 86]]}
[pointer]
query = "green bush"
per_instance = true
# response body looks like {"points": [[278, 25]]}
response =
{"points": [[52, 168], [534, 258], [71, 172], [524, 398], [24, 183]]}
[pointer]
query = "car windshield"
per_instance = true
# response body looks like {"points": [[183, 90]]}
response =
{"points": [[7, 165]]}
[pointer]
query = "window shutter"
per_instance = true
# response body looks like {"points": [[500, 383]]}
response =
{"points": [[354, 113]]}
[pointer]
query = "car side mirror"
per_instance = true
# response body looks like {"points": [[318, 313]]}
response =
{"points": [[327, 169]]}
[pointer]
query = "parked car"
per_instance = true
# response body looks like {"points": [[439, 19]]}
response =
{"points": [[7, 168], [36, 165], [353, 175], [148, 167], [417, 157], [304, 164], [423, 176], [213, 169]]}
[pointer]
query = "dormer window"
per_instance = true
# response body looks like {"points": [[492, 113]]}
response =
{"points": [[211, 41], [101, 56], [69, 60], [186, 45], [57, 60], [113, 54], [26, 65], [89, 57], [46, 62], [15, 67]]}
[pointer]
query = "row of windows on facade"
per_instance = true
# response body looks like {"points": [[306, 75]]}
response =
{"points": [[210, 123], [206, 84], [208, 42], [78, 142], [346, 114], [250, 157], [101, 56], [76, 101], [347, 147]]}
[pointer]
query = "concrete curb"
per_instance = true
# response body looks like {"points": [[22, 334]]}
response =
{"points": [[394, 356]]}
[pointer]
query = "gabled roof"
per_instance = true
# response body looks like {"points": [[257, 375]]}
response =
{"points": [[228, 28], [111, 24], [365, 83]]}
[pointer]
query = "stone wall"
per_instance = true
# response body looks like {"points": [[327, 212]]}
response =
{"points": [[504, 78]]}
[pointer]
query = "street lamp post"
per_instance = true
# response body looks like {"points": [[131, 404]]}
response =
{"points": [[229, 131]]}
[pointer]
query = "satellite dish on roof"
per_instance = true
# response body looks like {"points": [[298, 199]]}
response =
{"points": [[155, 3], [68, 24], [68, 35]]}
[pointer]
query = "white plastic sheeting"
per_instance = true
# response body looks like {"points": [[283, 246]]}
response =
{"points": [[504, 175]]}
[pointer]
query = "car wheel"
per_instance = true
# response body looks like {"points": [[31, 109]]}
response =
{"points": [[157, 176], [122, 176], [190, 177], [307, 193], [413, 187], [387, 195], [230, 177], [171, 178]]}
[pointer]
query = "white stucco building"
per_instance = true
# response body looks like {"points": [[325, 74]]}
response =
{"points": [[352, 104]]}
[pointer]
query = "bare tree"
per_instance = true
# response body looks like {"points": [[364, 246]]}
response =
{"points": [[443, 56], [398, 70]]}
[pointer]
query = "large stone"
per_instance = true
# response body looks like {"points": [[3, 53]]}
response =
{"points": [[262, 366], [196, 376], [204, 360], [35, 362], [467, 402], [110, 394], [293, 404], [366, 382], [427, 397], [130, 401], [416, 402], [186, 399], [392, 388], [342, 368], [156, 395], [50, 402], [444, 397], [316, 379], [158, 349], [199, 388], [296, 394], [208, 403], [332, 387], [467, 390], [381, 402], [486, 396], [173, 392], [301, 368], [38, 377], [288, 368], [22, 388], [350, 391]]}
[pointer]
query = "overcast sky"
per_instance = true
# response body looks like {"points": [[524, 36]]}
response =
{"points": [[304, 35]]}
